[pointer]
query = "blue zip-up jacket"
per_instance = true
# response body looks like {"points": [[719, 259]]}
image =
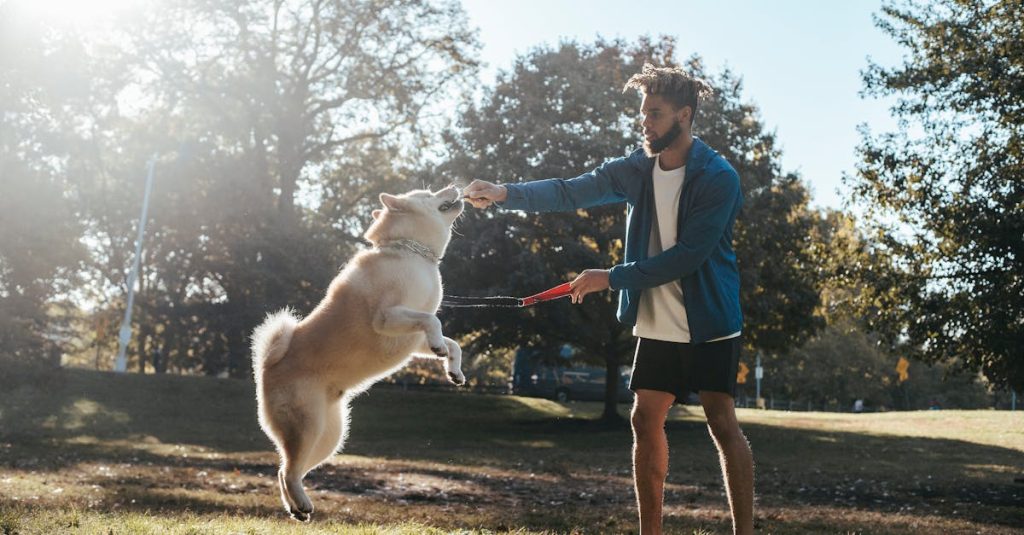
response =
{"points": [[702, 259]]}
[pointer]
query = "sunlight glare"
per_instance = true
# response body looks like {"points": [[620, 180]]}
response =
{"points": [[74, 12]]}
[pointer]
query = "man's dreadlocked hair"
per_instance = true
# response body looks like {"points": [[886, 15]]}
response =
{"points": [[672, 84]]}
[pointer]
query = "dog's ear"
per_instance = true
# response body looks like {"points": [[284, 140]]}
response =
{"points": [[376, 213], [392, 202]]}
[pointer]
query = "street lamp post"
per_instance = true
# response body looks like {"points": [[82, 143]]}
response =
{"points": [[125, 334]]}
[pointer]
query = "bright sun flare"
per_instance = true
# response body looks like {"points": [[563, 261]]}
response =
{"points": [[77, 12]]}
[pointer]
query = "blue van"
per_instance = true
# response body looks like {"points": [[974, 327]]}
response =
{"points": [[559, 379]]}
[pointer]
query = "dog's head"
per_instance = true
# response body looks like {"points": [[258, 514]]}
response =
{"points": [[419, 215]]}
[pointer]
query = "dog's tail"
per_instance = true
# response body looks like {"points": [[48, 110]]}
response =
{"points": [[270, 340]]}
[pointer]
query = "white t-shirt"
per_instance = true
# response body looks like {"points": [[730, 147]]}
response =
{"points": [[661, 314]]}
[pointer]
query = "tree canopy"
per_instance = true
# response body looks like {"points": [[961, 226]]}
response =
{"points": [[944, 194]]}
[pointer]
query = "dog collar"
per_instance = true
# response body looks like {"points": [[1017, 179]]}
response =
{"points": [[414, 246]]}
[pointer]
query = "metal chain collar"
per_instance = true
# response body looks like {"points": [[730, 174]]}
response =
{"points": [[414, 246]]}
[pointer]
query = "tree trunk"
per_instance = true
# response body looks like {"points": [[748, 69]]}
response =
{"points": [[239, 362], [213, 359], [159, 362], [55, 356], [611, 386], [146, 336], [289, 147], [286, 202], [144, 343]]}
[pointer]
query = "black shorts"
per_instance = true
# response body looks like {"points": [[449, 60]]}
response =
{"points": [[679, 368]]}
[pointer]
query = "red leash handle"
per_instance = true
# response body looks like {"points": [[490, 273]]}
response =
{"points": [[559, 291]]}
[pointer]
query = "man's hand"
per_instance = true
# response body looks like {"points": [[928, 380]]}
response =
{"points": [[591, 280], [482, 194]]}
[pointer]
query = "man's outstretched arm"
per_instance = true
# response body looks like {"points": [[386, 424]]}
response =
{"points": [[609, 183]]}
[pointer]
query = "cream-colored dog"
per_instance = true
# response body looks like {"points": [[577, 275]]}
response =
{"points": [[378, 312]]}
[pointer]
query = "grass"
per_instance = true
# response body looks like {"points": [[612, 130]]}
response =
{"points": [[91, 452]]}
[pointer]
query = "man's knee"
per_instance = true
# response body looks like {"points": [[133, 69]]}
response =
{"points": [[721, 418], [645, 424], [723, 427], [648, 421], [650, 408]]}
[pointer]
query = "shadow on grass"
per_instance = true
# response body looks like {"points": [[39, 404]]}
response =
{"points": [[503, 454]]}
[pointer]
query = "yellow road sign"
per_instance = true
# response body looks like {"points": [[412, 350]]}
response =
{"points": [[901, 368]]}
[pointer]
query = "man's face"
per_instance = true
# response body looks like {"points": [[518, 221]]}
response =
{"points": [[662, 123]]}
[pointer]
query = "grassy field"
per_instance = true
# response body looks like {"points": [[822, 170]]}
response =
{"points": [[90, 452]]}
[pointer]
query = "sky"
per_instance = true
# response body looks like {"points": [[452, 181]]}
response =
{"points": [[800, 62]]}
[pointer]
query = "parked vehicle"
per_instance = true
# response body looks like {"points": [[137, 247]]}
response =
{"points": [[537, 375]]}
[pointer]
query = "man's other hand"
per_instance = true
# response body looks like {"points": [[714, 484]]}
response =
{"points": [[482, 194], [591, 280]]}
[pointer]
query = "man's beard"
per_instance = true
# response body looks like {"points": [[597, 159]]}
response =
{"points": [[661, 143]]}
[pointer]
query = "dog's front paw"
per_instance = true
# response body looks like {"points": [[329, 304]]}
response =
{"points": [[457, 377]]}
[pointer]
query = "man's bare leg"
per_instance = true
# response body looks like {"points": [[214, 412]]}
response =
{"points": [[650, 455], [735, 456]]}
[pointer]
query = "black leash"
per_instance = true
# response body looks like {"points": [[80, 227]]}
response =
{"points": [[503, 301]]}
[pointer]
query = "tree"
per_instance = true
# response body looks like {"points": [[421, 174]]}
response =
{"points": [[559, 112], [39, 246], [272, 121], [943, 193], [312, 89], [845, 361], [839, 365], [780, 269]]}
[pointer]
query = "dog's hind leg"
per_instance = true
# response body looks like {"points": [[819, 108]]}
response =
{"points": [[298, 430], [289, 505], [333, 435]]}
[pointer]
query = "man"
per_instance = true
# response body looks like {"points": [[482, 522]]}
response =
{"points": [[678, 285]]}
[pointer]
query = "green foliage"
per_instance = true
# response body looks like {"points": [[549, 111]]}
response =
{"points": [[833, 369], [843, 363], [779, 266], [846, 361], [944, 195]]}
